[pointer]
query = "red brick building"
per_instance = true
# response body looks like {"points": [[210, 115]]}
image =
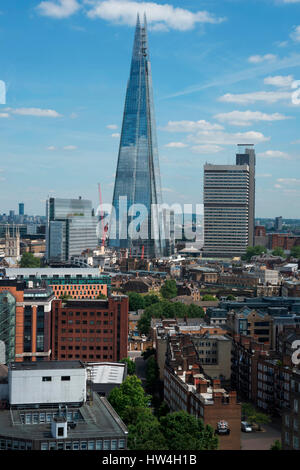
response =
{"points": [[90, 330], [187, 388]]}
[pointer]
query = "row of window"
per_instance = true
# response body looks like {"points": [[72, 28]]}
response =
{"points": [[106, 444], [85, 314], [84, 356], [46, 417]]}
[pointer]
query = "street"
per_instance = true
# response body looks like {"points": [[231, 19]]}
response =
{"points": [[261, 440]]}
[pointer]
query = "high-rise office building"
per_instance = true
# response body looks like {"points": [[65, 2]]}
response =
{"points": [[71, 228], [278, 224], [226, 209], [21, 208], [249, 158], [138, 176]]}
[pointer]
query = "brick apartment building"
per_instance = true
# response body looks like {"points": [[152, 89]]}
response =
{"points": [[290, 430], [26, 324], [90, 330], [77, 283], [187, 388]]}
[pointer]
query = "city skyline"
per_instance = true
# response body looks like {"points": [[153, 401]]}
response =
{"points": [[216, 85]]}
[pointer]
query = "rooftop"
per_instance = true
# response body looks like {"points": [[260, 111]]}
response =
{"points": [[96, 420], [46, 365]]}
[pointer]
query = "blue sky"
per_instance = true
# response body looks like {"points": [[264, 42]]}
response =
{"points": [[224, 72]]}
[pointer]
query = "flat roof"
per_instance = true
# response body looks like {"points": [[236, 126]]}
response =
{"points": [[97, 421], [46, 365]]}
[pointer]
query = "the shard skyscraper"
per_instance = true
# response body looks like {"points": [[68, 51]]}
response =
{"points": [[137, 191]]}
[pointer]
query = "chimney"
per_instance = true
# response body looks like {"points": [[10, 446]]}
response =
{"points": [[216, 384], [201, 386]]}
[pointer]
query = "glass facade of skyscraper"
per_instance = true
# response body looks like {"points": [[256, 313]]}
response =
{"points": [[138, 176]]}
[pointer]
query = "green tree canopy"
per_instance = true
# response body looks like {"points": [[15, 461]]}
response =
{"points": [[144, 432], [278, 252], [295, 251], [254, 251], [129, 395], [131, 367], [208, 297], [276, 445], [169, 289], [136, 301], [230, 297], [183, 431], [28, 260], [152, 375]]}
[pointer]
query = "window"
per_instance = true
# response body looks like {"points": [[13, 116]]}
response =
{"points": [[121, 443], [91, 445], [83, 445], [114, 444], [44, 446], [98, 445], [106, 445], [65, 378], [46, 379]]}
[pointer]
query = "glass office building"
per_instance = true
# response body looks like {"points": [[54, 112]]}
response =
{"points": [[137, 183], [71, 228]]}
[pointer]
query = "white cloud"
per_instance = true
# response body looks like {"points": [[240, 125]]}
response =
{"points": [[159, 16], [4, 115], [205, 149], [257, 59], [112, 126], [167, 190], [73, 115], [264, 96], [283, 81], [190, 126], [178, 145], [289, 181], [70, 147], [295, 35], [264, 175], [116, 135], [34, 112], [225, 138], [58, 9], [51, 147], [275, 154], [246, 118]]}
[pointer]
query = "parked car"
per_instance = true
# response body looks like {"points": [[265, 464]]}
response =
{"points": [[246, 427]]}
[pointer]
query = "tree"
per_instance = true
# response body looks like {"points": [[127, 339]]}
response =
{"points": [[136, 301], [254, 416], [129, 395], [152, 375], [169, 289], [278, 252], [150, 299], [28, 260], [230, 297], [101, 296], [276, 445], [295, 252], [131, 367], [209, 298], [144, 432], [254, 251], [195, 312], [147, 353], [183, 431]]}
